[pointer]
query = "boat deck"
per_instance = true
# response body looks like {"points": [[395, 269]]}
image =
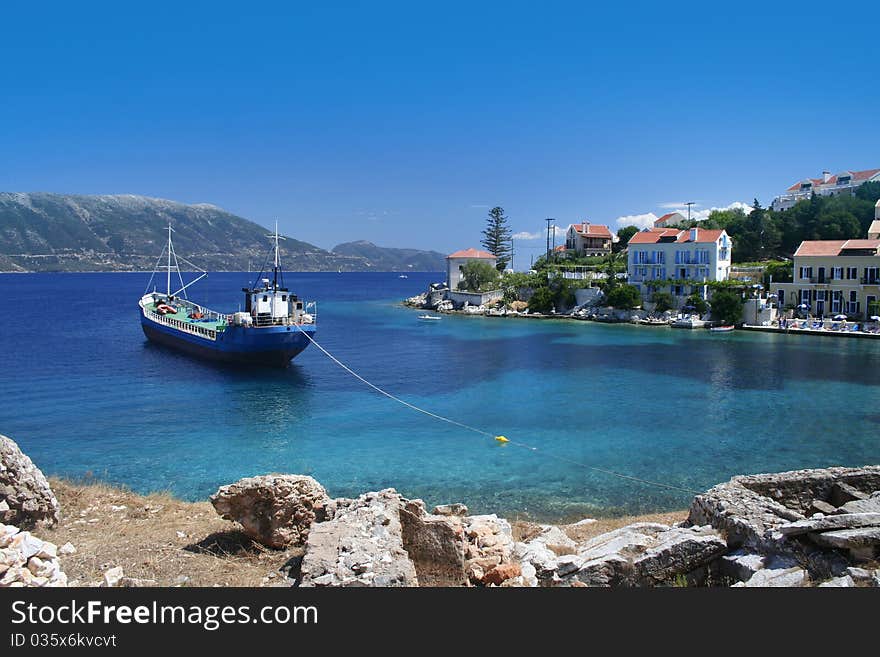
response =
{"points": [[183, 315]]}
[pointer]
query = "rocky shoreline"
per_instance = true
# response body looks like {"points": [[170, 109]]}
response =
{"points": [[802, 528], [435, 301]]}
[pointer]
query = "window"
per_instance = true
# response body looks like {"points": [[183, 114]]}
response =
{"points": [[805, 297], [284, 297], [780, 298], [265, 298], [844, 180], [806, 273], [820, 295], [837, 272]]}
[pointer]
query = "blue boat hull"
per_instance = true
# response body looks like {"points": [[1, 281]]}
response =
{"points": [[269, 346]]}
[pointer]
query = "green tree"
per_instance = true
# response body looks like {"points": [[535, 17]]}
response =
{"points": [[496, 237], [612, 264], [623, 237], [477, 276], [662, 300], [623, 296], [727, 307], [698, 303]]}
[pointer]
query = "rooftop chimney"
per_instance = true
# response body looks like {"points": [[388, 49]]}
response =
{"points": [[826, 176]]}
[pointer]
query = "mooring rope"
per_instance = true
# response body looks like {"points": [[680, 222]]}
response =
{"points": [[506, 441]]}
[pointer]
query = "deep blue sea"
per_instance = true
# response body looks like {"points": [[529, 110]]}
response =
{"points": [[86, 396]]}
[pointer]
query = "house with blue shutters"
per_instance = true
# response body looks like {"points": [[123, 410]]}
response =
{"points": [[687, 258]]}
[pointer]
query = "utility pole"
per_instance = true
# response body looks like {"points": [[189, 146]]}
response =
{"points": [[549, 221], [689, 204], [511, 254]]}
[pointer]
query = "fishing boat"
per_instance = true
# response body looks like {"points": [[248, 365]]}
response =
{"points": [[721, 329], [273, 328], [429, 317], [688, 322]]}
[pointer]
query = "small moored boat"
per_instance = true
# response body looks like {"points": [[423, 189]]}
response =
{"points": [[721, 329], [429, 317]]}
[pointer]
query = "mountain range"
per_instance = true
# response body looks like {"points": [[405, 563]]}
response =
{"points": [[66, 232]]}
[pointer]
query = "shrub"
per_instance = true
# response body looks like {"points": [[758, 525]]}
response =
{"points": [[663, 301], [623, 296], [727, 307], [698, 303]]}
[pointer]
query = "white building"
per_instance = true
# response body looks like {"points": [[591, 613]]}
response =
{"points": [[678, 256], [670, 220], [874, 230], [455, 261], [844, 182]]}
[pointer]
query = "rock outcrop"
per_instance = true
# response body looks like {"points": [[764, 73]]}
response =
{"points": [[275, 510], [25, 560], [823, 520], [641, 554], [361, 546], [25, 496]]}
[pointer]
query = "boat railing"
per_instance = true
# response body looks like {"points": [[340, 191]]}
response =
{"points": [[187, 327]]}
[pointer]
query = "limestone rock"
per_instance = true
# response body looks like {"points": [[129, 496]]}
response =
{"points": [[275, 510], [489, 539], [361, 546], [502, 572], [677, 551], [869, 505], [864, 538], [26, 496], [741, 564], [450, 510], [435, 545], [827, 523], [777, 577], [839, 582], [113, 577], [820, 506], [842, 492], [641, 554], [26, 560]]}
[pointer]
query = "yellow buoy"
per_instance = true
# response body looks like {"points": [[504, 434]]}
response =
{"points": [[501, 439]]}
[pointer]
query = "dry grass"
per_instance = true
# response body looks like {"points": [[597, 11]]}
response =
{"points": [[143, 539]]}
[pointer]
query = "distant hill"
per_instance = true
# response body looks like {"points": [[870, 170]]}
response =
{"points": [[63, 232], [388, 259]]}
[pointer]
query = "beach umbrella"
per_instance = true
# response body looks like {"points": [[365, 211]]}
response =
{"points": [[875, 318], [804, 306], [840, 317]]}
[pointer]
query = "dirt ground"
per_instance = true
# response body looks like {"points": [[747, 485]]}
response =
{"points": [[156, 537], [168, 542]]}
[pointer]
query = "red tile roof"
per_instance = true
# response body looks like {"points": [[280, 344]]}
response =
{"points": [[834, 247], [861, 244], [654, 235], [471, 253], [587, 229], [867, 174], [820, 248]]}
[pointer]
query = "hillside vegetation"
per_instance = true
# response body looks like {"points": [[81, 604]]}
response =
{"points": [[63, 232]]}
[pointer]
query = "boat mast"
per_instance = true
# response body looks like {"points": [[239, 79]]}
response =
{"points": [[168, 268], [275, 275]]}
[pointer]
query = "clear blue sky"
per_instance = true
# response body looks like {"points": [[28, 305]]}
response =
{"points": [[402, 123]]}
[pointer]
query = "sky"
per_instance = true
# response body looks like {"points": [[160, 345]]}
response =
{"points": [[404, 123]]}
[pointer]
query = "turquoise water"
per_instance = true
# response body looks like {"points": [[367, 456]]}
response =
{"points": [[85, 395]]}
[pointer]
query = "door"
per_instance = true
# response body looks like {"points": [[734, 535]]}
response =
{"points": [[821, 275], [820, 308]]}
